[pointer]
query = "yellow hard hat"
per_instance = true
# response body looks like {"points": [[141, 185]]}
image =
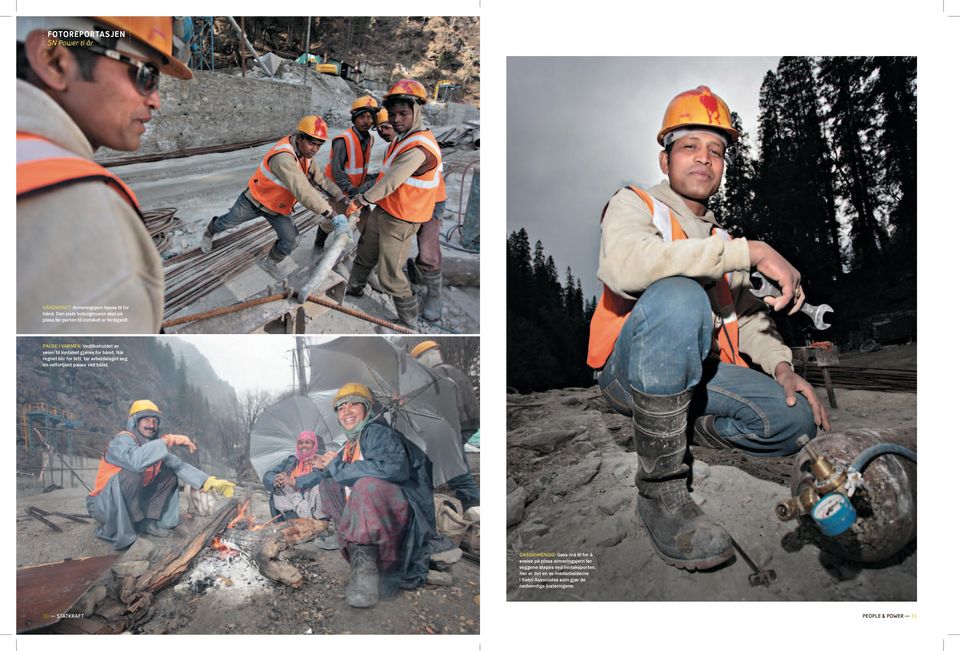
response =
{"points": [[407, 89], [382, 116], [313, 126], [143, 405], [365, 104], [698, 107], [423, 347], [353, 390], [156, 32]]}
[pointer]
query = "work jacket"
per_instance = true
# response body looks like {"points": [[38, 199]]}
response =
{"points": [[106, 470], [358, 157], [415, 198], [267, 188]]}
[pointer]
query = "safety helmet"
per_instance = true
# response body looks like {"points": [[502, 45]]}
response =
{"points": [[698, 107], [423, 347], [313, 126], [410, 89], [141, 409], [365, 104], [155, 33], [353, 392], [382, 116]]}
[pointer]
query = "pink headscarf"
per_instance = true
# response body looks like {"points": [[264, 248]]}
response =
{"points": [[312, 452]]}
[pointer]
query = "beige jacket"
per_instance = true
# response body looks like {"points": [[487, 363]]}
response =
{"points": [[403, 166], [633, 256], [304, 187], [81, 244]]}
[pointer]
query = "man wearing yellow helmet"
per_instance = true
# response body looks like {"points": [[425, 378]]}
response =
{"points": [[384, 128], [378, 489], [287, 174], [676, 325], [405, 196], [85, 83], [137, 479]]}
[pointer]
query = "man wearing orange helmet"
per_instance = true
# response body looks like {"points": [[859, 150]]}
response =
{"points": [[405, 195], [82, 84], [286, 175], [676, 326]]}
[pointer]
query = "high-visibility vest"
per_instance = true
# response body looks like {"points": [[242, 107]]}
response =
{"points": [[43, 165], [358, 157], [441, 194], [267, 188], [612, 309], [414, 200], [106, 470]]}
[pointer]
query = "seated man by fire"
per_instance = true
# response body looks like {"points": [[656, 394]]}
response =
{"points": [[286, 500], [378, 490], [137, 480]]}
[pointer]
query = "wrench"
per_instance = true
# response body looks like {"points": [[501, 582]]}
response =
{"points": [[815, 312], [760, 576]]}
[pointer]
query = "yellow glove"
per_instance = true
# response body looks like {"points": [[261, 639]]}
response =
{"points": [[179, 439], [222, 486]]}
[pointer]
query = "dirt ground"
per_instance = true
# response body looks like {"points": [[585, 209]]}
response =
{"points": [[570, 490], [233, 601]]}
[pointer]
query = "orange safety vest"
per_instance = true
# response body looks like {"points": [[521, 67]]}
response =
{"points": [[43, 165], [612, 309], [357, 158], [106, 470], [416, 197], [267, 188]]}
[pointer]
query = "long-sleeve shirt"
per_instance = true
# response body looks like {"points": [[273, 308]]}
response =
{"points": [[303, 186], [124, 452]]}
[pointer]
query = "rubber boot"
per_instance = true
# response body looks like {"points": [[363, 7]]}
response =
{"points": [[681, 533], [362, 590], [206, 242], [357, 281], [433, 305], [150, 527], [374, 280], [705, 434], [407, 311]]}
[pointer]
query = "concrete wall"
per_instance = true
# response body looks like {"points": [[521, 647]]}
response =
{"points": [[451, 113]]}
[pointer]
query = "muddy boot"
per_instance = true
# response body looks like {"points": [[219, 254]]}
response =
{"points": [[407, 311], [206, 242], [374, 280], [681, 533], [150, 527], [362, 590], [433, 305], [358, 280], [270, 265], [705, 434]]}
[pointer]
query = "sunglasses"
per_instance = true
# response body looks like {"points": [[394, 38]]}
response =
{"points": [[145, 76]]}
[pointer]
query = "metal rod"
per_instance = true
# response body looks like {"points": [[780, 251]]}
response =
{"points": [[230, 309], [243, 38], [360, 315], [243, 60], [306, 49]]}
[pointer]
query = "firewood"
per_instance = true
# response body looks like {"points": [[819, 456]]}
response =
{"points": [[301, 530], [271, 566]]}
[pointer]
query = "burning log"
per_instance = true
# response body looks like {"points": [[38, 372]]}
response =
{"points": [[166, 570]]}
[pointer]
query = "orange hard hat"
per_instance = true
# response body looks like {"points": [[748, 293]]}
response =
{"points": [[313, 126], [156, 32], [408, 89], [698, 108], [382, 116]]}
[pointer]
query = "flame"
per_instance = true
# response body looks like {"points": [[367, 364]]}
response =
{"points": [[222, 548], [245, 520]]}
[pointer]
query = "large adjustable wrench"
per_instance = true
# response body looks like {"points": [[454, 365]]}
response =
{"points": [[815, 312]]}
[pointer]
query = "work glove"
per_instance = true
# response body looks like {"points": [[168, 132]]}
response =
{"points": [[353, 208], [340, 224], [222, 486], [179, 439]]}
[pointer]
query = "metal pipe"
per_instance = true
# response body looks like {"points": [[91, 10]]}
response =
{"points": [[220, 311], [330, 257], [360, 315], [306, 50], [243, 60], [243, 38]]}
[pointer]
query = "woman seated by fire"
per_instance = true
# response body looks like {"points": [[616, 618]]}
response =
{"points": [[378, 490], [287, 498]]}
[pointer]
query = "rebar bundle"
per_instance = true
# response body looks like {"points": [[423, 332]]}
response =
{"points": [[869, 379]]}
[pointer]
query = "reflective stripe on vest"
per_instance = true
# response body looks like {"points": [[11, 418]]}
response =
{"points": [[612, 309], [43, 165], [415, 198], [106, 470], [358, 157], [270, 190]]}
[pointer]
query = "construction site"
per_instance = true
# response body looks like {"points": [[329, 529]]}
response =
{"points": [[253, 80], [230, 565]]}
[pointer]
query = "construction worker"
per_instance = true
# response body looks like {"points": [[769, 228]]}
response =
{"points": [[676, 325], [350, 156], [82, 246], [405, 195], [429, 354], [286, 175], [384, 128], [137, 479], [378, 490]]}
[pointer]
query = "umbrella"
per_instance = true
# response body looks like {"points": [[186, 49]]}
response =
{"points": [[428, 416]]}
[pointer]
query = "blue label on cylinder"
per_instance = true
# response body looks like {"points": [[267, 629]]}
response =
{"points": [[834, 514]]}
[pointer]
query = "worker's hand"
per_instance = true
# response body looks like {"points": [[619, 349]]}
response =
{"points": [[221, 486], [792, 384], [179, 439], [324, 460], [289, 481], [279, 479], [774, 266], [340, 224], [353, 208]]}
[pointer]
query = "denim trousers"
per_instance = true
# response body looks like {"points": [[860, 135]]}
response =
{"points": [[244, 210], [664, 349]]}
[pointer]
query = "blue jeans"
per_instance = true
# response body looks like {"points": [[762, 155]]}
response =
{"points": [[663, 349], [244, 210]]}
